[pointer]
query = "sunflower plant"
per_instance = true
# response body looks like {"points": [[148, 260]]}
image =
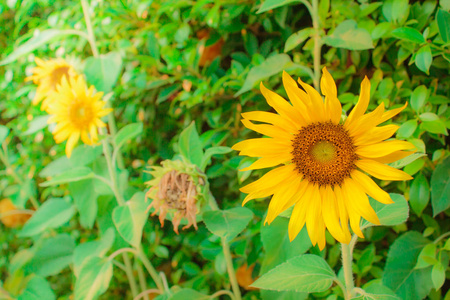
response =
{"points": [[118, 122]]}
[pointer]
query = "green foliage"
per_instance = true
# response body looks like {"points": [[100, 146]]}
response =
{"points": [[227, 223]]}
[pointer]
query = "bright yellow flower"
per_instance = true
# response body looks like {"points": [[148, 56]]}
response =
{"points": [[47, 75], [323, 160], [76, 110]]}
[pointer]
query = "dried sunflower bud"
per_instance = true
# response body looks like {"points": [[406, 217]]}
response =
{"points": [[177, 188]]}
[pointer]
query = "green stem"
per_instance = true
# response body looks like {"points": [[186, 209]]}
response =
{"points": [[17, 212], [151, 269], [142, 281], [112, 173], [227, 255], [130, 276], [10, 170], [317, 43], [348, 273], [91, 36], [443, 236]]}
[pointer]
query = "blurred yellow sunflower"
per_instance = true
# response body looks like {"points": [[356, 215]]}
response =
{"points": [[323, 160], [47, 75], [76, 110]]}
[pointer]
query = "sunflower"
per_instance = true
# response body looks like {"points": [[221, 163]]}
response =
{"points": [[76, 110], [322, 161], [47, 75]]}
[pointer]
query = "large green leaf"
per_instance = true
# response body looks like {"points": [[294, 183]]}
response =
{"points": [[85, 199], [271, 4], [37, 289], [130, 219], [103, 71], [127, 133], [419, 194], [52, 256], [271, 66], [443, 21], [52, 214], [190, 145], [399, 273], [90, 249], [185, 294], [305, 273], [277, 246], [440, 187], [378, 291], [210, 152], [389, 214], [419, 97], [35, 42], [94, 278], [424, 58], [4, 131], [297, 38], [347, 35], [227, 223], [72, 175], [408, 34]]}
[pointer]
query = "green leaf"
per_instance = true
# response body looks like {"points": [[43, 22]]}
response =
{"points": [[443, 21], [53, 256], [419, 97], [90, 249], [305, 273], [210, 152], [52, 214], [36, 124], [94, 278], [227, 223], [277, 246], [389, 214], [85, 199], [76, 174], [407, 129], [190, 145], [419, 194], [438, 275], [440, 187], [127, 133], [35, 42], [399, 273], [396, 11], [428, 117], [407, 160], [424, 59], [378, 291], [347, 35], [185, 294], [366, 260], [103, 71], [130, 219], [271, 4], [81, 156], [408, 34], [271, 66], [4, 131], [437, 126], [37, 289], [427, 256], [297, 38]]}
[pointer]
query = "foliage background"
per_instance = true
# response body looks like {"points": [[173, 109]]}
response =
{"points": [[402, 47]]}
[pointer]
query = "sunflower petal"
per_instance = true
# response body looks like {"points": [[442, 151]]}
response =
{"points": [[271, 118], [71, 142], [359, 201], [376, 135], [363, 102], [332, 104], [383, 148], [381, 171], [370, 187], [329, 213], [268, 130], [391, 113]]}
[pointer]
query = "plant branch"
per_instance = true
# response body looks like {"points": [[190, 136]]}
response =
{"points": [[147, 292], [91, 36], [151, 269], [222, 292], [348, 273], [317, 43], [141, 276]]}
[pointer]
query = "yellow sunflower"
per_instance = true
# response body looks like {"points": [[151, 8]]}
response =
{"points": [[76, 110], [322, 160], [47, 75]]}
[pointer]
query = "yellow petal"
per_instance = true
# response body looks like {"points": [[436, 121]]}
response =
{"points": [[321, 241], [71, 142], [259, 143], [370, 187], [390, 158], [363, 102], [299, 99], [365, 123], [343, 213], [332, 105], [313, 215], [270, 150], [330, 213], [381, 171], [270, 179], [383, 148], [375, 135], [317, 107], [273, 119], [267, 162], [301, 210], [391, 113], [268, 130], [359, 201]]}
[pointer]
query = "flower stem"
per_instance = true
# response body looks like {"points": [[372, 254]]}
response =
{"points": [[227, 255], [348, 273], [142, 281], [317, 42], [91, 36], [112, 173], [151, 269], [130, 276]]}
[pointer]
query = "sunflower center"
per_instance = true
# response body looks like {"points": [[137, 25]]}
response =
{"points": [[57, 75], [324, 153], [81, 115]]}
